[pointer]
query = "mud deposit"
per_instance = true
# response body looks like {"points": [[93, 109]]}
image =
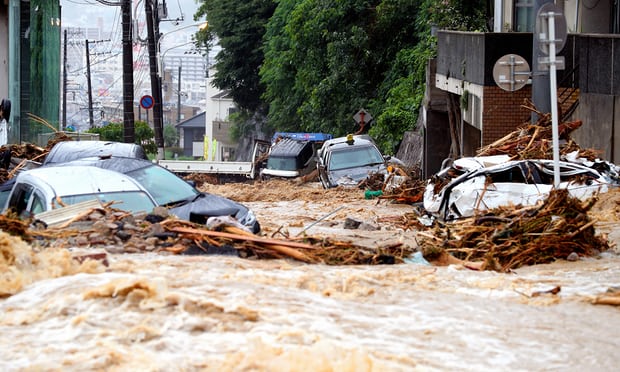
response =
{"points": [[156, 312]]}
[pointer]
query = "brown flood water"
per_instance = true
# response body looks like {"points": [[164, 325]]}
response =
{"points": [[220, 313]]}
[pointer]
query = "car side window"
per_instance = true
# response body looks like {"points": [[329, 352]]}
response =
{"points": [[510, 175], [20, 197], [38, 204]]}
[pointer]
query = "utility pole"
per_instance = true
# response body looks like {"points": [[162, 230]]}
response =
{"points": [[129, 130], [152, 25], [64, 83], [179, 98], [90, 88]]}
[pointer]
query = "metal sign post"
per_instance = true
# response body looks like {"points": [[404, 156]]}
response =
{"points": [[546, 32], [554, 101]]}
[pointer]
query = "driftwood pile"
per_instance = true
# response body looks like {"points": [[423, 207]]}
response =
{"points": [[507, 238], [121, 232], [15, 157], [535, 141], [401, 185]]}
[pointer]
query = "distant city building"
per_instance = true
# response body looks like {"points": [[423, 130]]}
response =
{"points": [[106, 61]]}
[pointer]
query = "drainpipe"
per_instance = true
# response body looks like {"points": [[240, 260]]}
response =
{"points": [[577, 28], [498, 16]]}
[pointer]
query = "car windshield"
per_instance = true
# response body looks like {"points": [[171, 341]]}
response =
{"points": [[164, 186], [282, 163], [352, 157], [130, 201]]}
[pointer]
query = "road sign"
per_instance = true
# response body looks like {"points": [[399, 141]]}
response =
{"points": [[511, 72], [362, 116], [542, 27], [147, 102]]}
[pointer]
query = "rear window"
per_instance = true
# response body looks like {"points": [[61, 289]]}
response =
{"points": [[282, 163]]}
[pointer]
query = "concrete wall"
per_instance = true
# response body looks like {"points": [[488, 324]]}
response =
{"points": [[595, 17], [437, 144], [600, 130], [4, 50]]}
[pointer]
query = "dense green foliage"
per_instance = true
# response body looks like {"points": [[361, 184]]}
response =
{"points": [[171, 137], [114, 132], [239, 27], [312, 64]]}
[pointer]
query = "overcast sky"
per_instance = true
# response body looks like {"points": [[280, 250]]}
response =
{"points": [[85, 13]]}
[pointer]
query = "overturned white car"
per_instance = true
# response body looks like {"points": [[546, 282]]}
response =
{"points": [[471, 185]]}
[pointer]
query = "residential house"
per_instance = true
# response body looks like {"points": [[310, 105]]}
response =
{"points": [[219, 106], [191, 135]]}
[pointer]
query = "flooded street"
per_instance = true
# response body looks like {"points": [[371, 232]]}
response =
{"points": [[221, 313]]}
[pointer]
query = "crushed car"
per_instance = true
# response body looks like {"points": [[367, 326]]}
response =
{"points": [[472, 185]]}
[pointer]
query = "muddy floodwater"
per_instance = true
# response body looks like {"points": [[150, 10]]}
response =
{"points": [[154, 312]]}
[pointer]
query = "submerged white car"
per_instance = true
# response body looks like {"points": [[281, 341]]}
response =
{"points": [[46, 188], [458, 192]]}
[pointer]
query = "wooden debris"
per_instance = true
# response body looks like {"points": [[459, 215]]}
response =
{"points": [[401, 185], [120, 232], [508, 238], [534, 141], [611, 297]]}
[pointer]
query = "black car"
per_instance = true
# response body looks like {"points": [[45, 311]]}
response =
{"points": [[171, 191]]}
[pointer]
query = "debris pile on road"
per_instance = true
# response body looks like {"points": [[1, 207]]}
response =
{"points": [[508, 238], [121, 232], [16, 157], [535, 141], [400, 185]]}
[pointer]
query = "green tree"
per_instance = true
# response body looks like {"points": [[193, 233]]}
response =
{"points": [[320, 61], [114, 132], [171, 137], [323, 63], [239, 26]]}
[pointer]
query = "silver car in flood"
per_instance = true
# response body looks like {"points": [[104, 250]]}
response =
{"points": [[46, 188]]}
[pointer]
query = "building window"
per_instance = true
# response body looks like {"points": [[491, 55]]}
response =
{"points": [[524, 16]]}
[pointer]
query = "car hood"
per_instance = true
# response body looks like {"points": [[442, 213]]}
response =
{"points": [[352, 176], [207, 205]]}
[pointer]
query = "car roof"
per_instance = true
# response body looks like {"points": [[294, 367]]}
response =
{"points": [[288, 147], [71, 150], [341, 142], [77, 180], [115, 163]]}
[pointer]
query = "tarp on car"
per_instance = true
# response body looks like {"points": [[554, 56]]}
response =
{"points": [[72, 150]]}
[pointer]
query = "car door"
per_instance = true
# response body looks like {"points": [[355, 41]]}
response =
{"points": [[21, 199], [490, 188]]}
